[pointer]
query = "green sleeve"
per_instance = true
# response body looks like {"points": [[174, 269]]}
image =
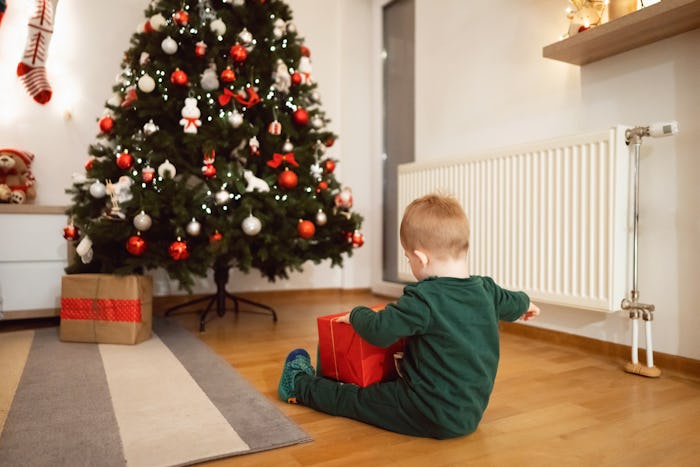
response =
{"points": [[509, 305], [409, 316]]}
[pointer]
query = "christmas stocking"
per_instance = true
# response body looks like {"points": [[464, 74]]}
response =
{"points": [[31, 70]]}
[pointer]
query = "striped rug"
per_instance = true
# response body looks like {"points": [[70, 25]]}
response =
{"points": [[165, 402]]}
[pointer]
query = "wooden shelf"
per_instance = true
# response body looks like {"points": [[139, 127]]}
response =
{"points": [[31, 209], [653, 23]]}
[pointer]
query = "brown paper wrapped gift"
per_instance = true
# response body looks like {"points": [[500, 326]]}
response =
{"points": [[106, 308]]}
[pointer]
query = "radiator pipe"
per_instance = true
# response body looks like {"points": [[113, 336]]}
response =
{"points": [[632, 304]]}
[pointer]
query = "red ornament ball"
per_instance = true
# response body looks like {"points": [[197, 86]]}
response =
{"points": [[330, 166], [124, 160], [228, 75], [106, 124], [178, 250], [179, 77], [287, 179], [296, 78], [329, 141], [301, 117], [89, 163], [70, 232], [306, 229], [181, 17], [136, 245], [358, 239], [322, 185], [238, 53]]}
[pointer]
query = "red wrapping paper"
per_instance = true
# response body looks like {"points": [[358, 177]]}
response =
{"points": [[102, 309], [346, 357]]}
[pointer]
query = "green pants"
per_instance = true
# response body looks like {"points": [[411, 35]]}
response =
{"points": [[385, 405]]}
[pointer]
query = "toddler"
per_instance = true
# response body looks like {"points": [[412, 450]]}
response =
{"points": [[450, 321]]}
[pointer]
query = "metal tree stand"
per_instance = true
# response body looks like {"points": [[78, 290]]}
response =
{"points": [[221, 275]]}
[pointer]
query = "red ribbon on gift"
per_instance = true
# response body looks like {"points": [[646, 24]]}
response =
{"points": [[278, 159], [104, 309]]}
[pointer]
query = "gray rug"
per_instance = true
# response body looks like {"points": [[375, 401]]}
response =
{"points": [[167, 401]]}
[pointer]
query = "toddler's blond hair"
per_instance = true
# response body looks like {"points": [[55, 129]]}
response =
{"points": [[436, 223]]}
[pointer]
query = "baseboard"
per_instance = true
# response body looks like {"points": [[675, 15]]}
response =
{"points": [[666, 362]]}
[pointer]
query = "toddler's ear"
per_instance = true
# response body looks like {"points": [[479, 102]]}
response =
{"points": [[422, 257]]}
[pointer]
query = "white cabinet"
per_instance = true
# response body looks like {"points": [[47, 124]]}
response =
{"points": [[33, 255]]}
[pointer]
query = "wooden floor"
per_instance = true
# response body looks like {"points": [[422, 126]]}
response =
{"points": [[552, 405]]}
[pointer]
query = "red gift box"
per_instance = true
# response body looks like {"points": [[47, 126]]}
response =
{"points": [[345, 356], [106, 308]]}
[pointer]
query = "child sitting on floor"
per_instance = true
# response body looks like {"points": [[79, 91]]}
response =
{"points": [[450, 320]]}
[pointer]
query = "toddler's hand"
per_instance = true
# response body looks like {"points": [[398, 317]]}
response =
{"points": [[343, 319], [531, 312]]}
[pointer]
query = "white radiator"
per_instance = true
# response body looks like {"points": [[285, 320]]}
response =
{"points": [[551, 218]]}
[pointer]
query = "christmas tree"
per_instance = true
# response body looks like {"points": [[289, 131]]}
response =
{"points": [[211, 153]]}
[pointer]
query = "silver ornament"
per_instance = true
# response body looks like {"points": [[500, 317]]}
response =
{"points": [[167, 170], [317, 122], [194, 228], [287, 146], [222, 197], [321, 217], [251, 225], [98, 189], [149, 128], [146, 84], [245, 37], [142, 221], [169, 45]]}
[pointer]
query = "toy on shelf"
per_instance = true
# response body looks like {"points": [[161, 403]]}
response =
{"points": [[16, 179]]}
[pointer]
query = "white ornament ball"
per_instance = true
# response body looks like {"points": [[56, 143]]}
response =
{"points": [[222, 197], [315, 96], [157, 21], [287, 146], [238, 2], [146, 83], [169, 45], [291, 27], [251, 225], [167, 170], [194, 228], [245, 37], [218, 27], [98, 189], [142, 221], [235, 119], [321, 218]]}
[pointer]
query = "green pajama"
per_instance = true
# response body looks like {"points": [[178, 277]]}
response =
{"points": [[449, 365], [385, 405]]}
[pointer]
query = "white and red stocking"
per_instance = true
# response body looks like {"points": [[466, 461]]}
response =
{"points": [[32, 70], [3, 7]]}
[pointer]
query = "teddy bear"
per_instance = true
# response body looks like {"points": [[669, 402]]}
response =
{"points": [[16, 179]]}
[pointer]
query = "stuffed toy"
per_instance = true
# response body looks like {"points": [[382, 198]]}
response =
{"points": [[16, 179]]}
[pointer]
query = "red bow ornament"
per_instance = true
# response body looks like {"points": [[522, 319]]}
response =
{"points": [[253, 97], [278, 159]]}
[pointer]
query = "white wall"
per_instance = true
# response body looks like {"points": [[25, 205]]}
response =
{"points": [[481, 82], [86, 50]]}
